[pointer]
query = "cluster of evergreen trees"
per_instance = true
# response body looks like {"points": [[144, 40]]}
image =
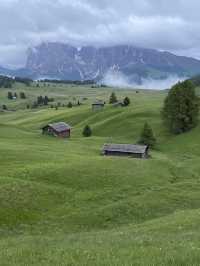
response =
{"points": [[69, 104], [41, 101], [113, 99], [180, 112], [44, 100], [14, 95]]}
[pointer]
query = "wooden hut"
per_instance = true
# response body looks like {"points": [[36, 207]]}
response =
{"points": [[98, 106], [60, 129], [136, 151]]}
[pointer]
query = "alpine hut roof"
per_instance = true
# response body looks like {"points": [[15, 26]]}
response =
{"points": [[60, 126], [125, 148], [98, 103]]}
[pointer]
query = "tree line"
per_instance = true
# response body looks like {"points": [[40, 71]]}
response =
{"points": [[7, 82], [75, 82]]}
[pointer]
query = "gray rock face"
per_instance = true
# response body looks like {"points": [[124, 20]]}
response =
{"points": [[56, 60]]}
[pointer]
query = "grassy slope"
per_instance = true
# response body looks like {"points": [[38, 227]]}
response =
{"points": [[61, 203]]}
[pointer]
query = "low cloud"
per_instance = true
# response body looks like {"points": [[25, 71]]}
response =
{"points": [[116, 79], [119, 80], [160, 84]]}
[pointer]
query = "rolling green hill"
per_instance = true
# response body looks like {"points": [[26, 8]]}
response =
{"points": [[62, 203]]}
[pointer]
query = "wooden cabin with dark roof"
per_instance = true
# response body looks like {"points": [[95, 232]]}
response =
{"points": [[98, 106], [136, 151], [60, 129]]}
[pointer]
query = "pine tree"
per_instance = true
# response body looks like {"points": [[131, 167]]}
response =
{"points": [[87, 132], [22, 95], [45, 100], [147, 136], [181, 108], [69, 105], [10, 96], [40, 100], [113, 98], [4, 107], [126, 101]]}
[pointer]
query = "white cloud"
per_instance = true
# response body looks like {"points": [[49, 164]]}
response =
{"points": [[119, 80]]}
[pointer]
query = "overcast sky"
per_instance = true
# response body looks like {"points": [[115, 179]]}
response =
{"points": [[172, 25]]}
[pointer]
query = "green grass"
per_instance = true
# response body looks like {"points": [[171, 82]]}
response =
{"points": [[62, 203]]}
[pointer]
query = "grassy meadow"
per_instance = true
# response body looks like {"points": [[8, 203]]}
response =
{"points": [[62, 203]]}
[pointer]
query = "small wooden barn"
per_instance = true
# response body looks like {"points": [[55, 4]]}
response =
{"points": [[60, 129], [98, 106], [136, 151]]}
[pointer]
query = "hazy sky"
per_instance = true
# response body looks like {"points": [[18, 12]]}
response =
{"points": [[172, 25]]}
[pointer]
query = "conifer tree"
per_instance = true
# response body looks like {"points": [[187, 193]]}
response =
{"points": [[46, 100], [10, 96], [40, 100], [113, 98], [22, 95], [181, 108], [69, 105], [87, 132], [4, 107], [147, 136], [126, 101]]}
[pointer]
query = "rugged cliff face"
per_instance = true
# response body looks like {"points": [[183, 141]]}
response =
{"points": [[56, 60]]}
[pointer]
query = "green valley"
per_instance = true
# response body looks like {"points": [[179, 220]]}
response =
{"points": [[63, 203]]}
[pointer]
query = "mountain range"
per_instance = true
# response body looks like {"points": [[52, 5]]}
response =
{"points": [[63, 61]]}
